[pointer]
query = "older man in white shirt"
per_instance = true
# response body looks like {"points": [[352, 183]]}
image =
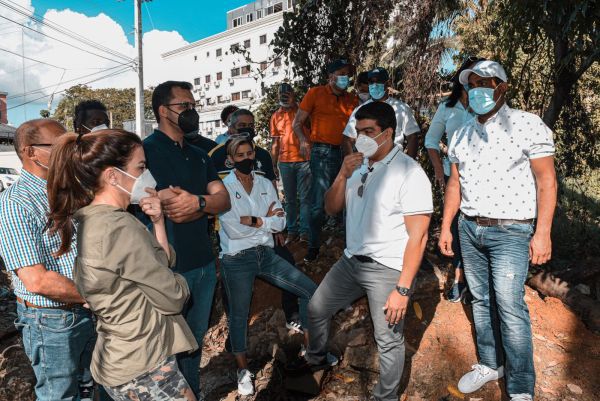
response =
{"points": [[504, 183]]}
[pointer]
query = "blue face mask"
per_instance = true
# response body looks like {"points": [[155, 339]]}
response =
{"points": [[481, 100], [377, 91], [341, 81]]}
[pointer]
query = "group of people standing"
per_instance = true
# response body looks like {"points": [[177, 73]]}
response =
{"points": [[108, 238]]}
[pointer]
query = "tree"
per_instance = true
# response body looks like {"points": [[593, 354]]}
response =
{"points": [[119, 102], [44, 113]]}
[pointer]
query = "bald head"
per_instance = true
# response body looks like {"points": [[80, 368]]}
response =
{"points": [[40, 131]]}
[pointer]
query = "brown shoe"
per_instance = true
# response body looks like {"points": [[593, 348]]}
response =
{"points": [[292, 237], [304, 237]]}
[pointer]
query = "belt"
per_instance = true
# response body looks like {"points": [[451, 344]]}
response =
{"points": [[489, 222], [30, 305], [325, 145], [364, 259]]}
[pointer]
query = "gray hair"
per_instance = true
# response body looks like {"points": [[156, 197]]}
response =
{"points": [[237, 114]]}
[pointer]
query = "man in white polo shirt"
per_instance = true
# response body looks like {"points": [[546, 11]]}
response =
{"points": [[407, 127], [504, 183], [388, 207]]}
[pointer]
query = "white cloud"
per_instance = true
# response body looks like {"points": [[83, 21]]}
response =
{"points": [[100, 29]]}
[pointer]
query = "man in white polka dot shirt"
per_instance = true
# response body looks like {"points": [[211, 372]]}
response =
{"points": [[504, 184]]}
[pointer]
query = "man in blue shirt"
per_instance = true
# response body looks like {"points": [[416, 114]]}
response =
{"points": [[190, 189], [58, 332]]}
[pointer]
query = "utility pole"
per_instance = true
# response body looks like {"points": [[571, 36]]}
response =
{"points": [[139, 90]]}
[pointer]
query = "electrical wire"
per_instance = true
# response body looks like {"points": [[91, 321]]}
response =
{"points": [[31, 59]]}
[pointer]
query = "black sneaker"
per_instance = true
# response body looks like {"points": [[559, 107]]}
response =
{"points": [[86, 391], [311, 255], [301, 366]]}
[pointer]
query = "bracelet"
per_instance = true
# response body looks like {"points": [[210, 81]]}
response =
{"points": [[254, 221]]}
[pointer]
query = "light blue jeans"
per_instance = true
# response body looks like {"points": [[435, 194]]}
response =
{"points": [[496, 261], [296, 185], [239, 272], [59, 345]]}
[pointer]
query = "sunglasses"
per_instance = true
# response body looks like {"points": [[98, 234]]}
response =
{"points": [[363, 180]]}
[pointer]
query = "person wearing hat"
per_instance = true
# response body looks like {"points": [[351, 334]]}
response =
{"points": [[407, 127], [452, 113], [504, 184], [328, 106], [290, 166]]}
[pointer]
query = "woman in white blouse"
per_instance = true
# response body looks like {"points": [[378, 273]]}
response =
{"points": [[450, 116], [246, 235]]}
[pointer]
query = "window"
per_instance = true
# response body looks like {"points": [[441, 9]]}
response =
{"points": [[198, 103], [219, 52], [207, 54], [195, 58], [249, 17], [269, 10], [263, 65], [277, 8], [235, 72], [246, 69], [219, 76], [234, 47], [207, 79], [217, 123], [237, 22], [245, 94], [208, 100], [258, 14], [263, 39], [290, 4], [235, 96], [277, 62], [196, 81], [247, 43], [220, 99]]}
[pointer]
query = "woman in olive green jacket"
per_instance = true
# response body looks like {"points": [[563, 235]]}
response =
{"points": [[122, 269]]}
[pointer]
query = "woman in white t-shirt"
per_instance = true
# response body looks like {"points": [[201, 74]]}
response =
{"points": [[452, 113]]}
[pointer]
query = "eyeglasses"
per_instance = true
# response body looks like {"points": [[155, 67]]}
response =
{"points": [[363, 180], [185, 105], [41, 144]]}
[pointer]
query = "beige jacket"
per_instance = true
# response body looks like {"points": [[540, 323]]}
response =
{"points": [[123, 273]]}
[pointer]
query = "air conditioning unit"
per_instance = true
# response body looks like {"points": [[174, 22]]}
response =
{"points": [[217, 84], [231, 81], [201, 103], [202, 94], [228, 98], [206, 85], [251, 96], [212, 101]]}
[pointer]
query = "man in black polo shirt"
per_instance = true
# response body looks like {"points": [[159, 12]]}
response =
{"points": [[190, 189]]}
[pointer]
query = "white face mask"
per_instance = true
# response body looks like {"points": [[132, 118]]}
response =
{"points": [[96, 128], [138, 191], [364, 96], [367, 145]]}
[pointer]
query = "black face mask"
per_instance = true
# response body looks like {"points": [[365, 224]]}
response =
{"points": [[188, 120], [249, 131], [245, 166]]}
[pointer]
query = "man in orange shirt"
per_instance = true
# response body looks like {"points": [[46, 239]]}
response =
{"points": [[293, 168], [329, 107]]}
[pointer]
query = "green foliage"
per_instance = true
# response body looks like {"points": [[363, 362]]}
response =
{"points": [[120, 104]]}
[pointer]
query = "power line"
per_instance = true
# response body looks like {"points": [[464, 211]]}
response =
{"points": [[149, 15], [64, 90], [66, 43], [31, 59], [65, 31]]}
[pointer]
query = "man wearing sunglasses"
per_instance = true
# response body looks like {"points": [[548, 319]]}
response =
{"points": [[388, 204], [58, 332]]}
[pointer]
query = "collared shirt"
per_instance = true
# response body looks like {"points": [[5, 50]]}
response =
{"points": [[395, 187], [236, 237], [190, 168], [222, 138], [328, 113], [204, 143], [405, 120], [446, 120], [263, 162], [282, 128], [24, 241], [123, 273], [494, 166]]}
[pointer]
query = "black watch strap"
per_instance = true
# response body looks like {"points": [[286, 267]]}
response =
{"points": [[201, 203], [254, 221]]}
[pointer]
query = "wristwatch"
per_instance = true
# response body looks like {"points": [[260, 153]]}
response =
{"points": [[254, 221], [403, 291], [201, 202]]}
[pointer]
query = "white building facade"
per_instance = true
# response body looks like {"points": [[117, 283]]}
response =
{"points": [[233, 67]]}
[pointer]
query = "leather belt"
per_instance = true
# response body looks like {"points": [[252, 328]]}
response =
{"points": [[62, 307], [326, 145], [364, 259], [489, 222]]}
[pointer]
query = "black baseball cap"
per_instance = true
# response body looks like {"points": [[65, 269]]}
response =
{"points": [[337, 65], [285, 88], [380, 74]]}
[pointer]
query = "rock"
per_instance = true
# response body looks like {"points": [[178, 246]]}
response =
{"points": [[575, 389], [584, 289], [357, 337], [361, 358], [277, 319]]}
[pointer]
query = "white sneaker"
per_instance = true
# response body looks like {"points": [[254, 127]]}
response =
{"points": [[521, 397], [332, 360], [245, 385], [476, 378]]}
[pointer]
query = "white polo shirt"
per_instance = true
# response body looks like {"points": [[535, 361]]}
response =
{"points": [[405, 120], [236, 237], [494, 163], [395, 187]]}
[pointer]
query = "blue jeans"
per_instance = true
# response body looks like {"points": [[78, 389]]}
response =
{"points": [[325, 163], [202, 283], [296, 185], [239, 272], [496, 261], [59, 345]]}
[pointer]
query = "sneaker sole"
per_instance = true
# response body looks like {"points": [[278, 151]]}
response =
{"points": [[294, 328], [462, 296]]}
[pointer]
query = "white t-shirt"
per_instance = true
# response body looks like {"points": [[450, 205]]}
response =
{"points": [[396, 187], [405, 120], [494, 166]]}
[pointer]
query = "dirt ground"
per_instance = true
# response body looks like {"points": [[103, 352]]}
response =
{"points": [[439, 348]]}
